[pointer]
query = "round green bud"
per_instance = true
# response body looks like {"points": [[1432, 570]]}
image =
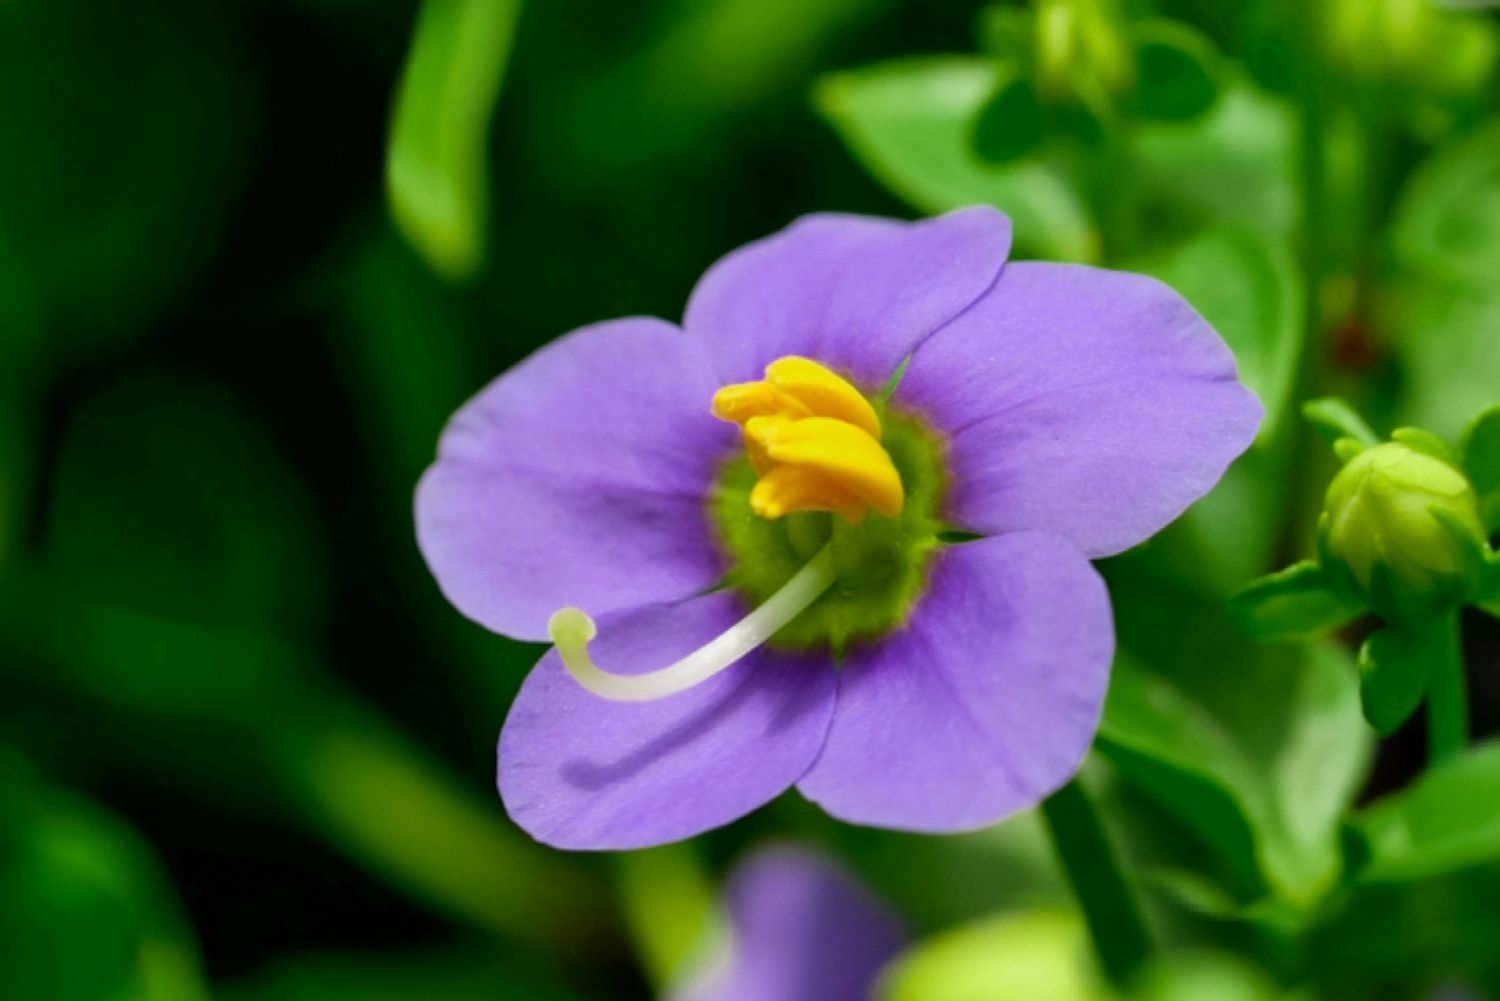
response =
{"points": [[1405, 511]]}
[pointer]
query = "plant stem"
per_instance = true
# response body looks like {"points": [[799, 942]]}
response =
{"points": [[1121, 940], [1447, 695]]}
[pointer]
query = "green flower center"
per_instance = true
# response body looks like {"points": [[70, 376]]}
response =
{"points": [[880, 564]]}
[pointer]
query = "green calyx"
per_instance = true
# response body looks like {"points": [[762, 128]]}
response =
{"points": [[881, 562], [1405, 524]]}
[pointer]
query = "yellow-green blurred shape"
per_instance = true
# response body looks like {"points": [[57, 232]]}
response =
{"points": [[85, 909], [436, 167], [1197, 976], [1023, 956], [670, 909]]}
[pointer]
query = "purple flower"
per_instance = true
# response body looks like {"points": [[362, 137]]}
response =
{"points": [[799, 930], [1058, 413]]}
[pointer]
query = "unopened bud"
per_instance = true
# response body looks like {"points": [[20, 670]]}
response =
{"points": [[1398, 509]]}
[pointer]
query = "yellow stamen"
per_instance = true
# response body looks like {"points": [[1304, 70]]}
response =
{"points": [[822, 392], [814, 441]]}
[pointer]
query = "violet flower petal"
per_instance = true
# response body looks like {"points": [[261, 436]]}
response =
{"points": [[1096, 405], [581, 772], [578, 478], [984, 703], [800, 930], [855, 293]]}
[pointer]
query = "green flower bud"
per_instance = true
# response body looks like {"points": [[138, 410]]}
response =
{"points": [[1399, 510]]}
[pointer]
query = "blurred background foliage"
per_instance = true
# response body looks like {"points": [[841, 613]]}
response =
{"points": [[253, 254]]}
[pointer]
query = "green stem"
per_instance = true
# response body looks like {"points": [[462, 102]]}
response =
{"points": [[1447, 695], [1121, 940]]}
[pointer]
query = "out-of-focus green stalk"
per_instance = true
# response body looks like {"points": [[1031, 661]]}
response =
{"points": [[1115, 924], [379, 798], [1447, 695], [670, 908], [436, 168]]}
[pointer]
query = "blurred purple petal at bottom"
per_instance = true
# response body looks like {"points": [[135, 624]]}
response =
{"points": [[800, 930]]}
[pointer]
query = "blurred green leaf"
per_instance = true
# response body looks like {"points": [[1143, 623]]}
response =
{"points": [[1449, 820], [1481, 461], [1394, 667], [1011, 123], [1259, 755], [1246, 284], [1035, 954], [1296, 603], [909, 123], [85, 909], [1462, 50], [1229, 536], [1228, 167], [1176, 71], [436, 173], [1396, 939], [702, 69], [1449, 353], [1447, 221], [935, 881]]}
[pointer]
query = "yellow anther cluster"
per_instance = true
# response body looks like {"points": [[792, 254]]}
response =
{"points": [[813, 441]]}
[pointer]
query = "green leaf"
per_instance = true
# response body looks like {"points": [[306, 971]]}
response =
{"points": [[1334, 419], [1011, 124], [1449, 353], [1228, 167], [1257, 749], [1449, 820], [1032, 954], [685, 85], [1246, 284], [1394, 668], [910, 121], [436, 172], [1298, 602], [1409, 932], [1447, 221], [1176, 71], [85, 907], [1481, 461]]}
